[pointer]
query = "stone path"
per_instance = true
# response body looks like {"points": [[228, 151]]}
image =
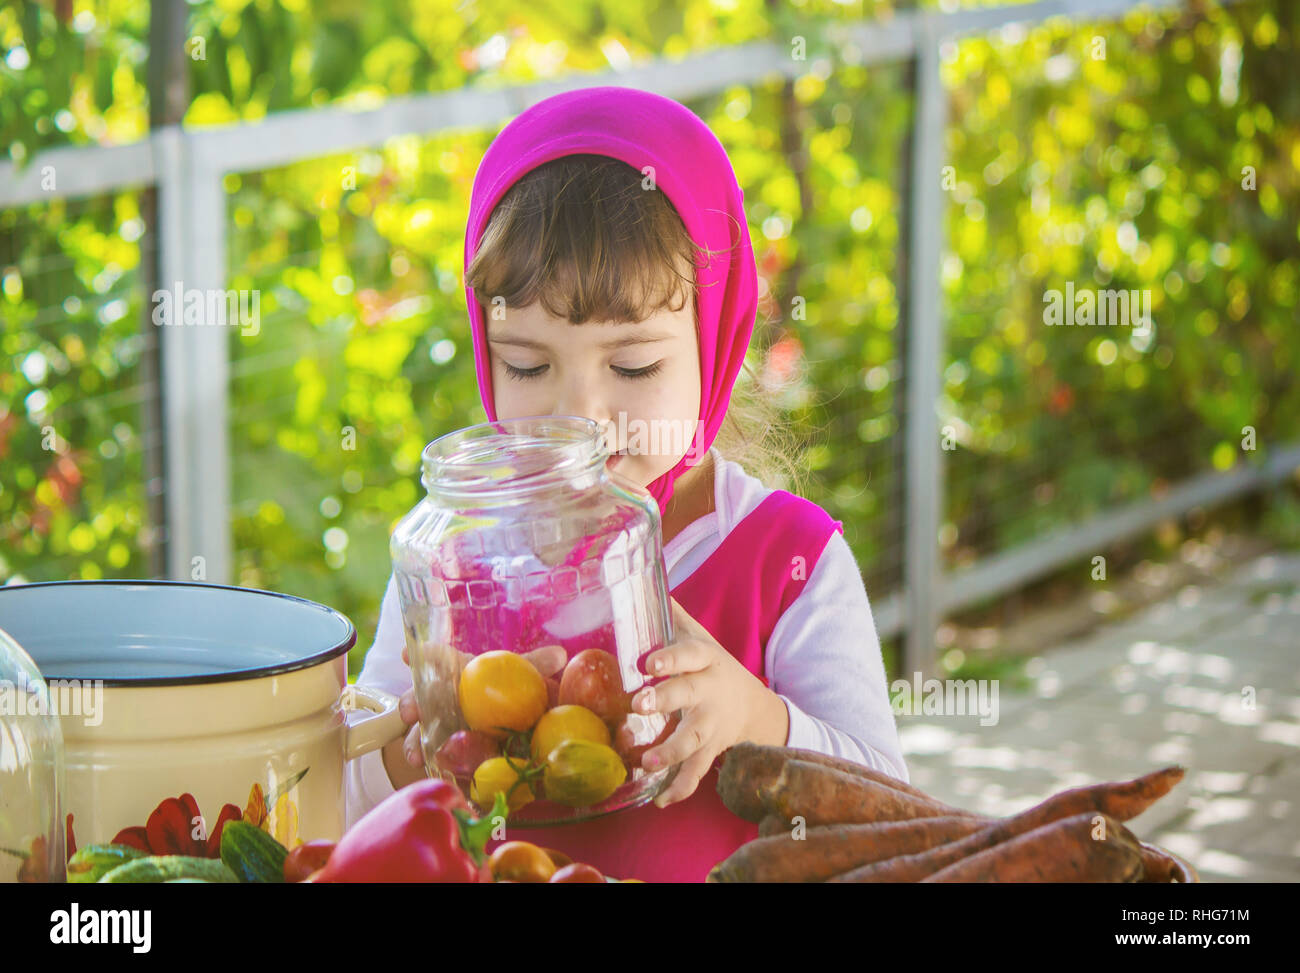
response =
{"points": [[1209, 679]]}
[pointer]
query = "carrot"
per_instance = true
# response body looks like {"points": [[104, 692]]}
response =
{"points": [[821, 795], [1062, 851], [1157, 866], [826, 851], [773, 824], [1127, 799], [1120, 801], [749, 767]]}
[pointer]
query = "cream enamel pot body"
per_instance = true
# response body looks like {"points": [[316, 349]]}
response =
{"points": [[232, 695]]}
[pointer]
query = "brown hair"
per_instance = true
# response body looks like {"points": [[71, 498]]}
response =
{"points": [[582, 236]]}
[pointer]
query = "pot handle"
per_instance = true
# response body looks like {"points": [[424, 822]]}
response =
{"points": [[381, 724]]}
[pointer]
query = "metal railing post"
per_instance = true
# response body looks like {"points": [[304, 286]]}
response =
{"points": [[169, 95], [196, 363], [924, 363]]}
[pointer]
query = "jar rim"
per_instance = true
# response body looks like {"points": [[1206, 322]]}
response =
{"points": [[509, 458]]}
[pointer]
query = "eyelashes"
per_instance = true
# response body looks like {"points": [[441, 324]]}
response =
{"points": [[523, 374], [647, 372]]}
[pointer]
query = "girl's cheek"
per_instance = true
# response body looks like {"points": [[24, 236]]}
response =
{"points": [[676, 402], [513, 397]]}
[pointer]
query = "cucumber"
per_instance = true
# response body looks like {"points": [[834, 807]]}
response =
{"points": [[164, 868], [91, 863], [251, 853]]}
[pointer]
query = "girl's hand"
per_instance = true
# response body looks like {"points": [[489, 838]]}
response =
{"points": [[722, 703], [413, 770]]}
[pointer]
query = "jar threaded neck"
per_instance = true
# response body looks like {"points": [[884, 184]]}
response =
{"points": [[514, 459]]}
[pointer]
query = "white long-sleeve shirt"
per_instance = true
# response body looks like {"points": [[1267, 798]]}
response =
{"points": [[823, 658]]}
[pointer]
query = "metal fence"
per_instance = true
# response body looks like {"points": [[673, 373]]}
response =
{"points": [[187, 168]]}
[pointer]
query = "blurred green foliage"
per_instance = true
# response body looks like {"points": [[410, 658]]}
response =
{"points": [[1119, 171], [72, 492]]}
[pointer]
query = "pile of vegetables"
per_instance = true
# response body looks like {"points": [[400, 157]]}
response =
{"points": [[426, 832], [522, 861], [569, 737], [824, 819], [248, 854], [423, 833]]}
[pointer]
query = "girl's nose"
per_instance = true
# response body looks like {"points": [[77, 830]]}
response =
{"points": [[580, 403]]}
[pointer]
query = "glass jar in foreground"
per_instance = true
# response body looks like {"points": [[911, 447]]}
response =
{"points": [[531, 583], [31, 772]]}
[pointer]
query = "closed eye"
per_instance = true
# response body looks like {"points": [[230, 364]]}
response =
{"points": [[645, 372], [524, 373]]}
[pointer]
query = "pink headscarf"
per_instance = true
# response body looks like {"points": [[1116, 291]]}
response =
{"points": [[691, 167]]}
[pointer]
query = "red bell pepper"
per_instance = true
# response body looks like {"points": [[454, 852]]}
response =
{"points": [[423, 833]]}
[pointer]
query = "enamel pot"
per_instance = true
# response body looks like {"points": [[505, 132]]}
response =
{"points": [[231, 696]]}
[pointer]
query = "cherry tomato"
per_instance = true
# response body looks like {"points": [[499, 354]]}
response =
{"points": [[464, 751], [580, 773], [566, 723], [501, 692], [571, 874], [592, 679], [307, 859], [521, 861], [498, 776]]}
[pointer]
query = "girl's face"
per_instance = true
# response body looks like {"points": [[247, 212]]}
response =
{"points": [[640, 381]]}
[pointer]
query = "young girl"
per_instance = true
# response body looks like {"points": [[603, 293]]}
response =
{"points": [[609, 274]]}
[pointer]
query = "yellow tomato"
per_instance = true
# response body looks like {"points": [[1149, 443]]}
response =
{"points": [[499, 775], [500, 693], [580, 773], [566, 723]]}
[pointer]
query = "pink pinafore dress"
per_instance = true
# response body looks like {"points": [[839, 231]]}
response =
{"points": [[738, 594]]}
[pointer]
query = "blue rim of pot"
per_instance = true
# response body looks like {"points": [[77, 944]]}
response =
{"points": [[342, 645]]}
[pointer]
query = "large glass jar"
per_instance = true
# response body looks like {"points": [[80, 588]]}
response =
{"points": [[31, 772], [531, 582]]}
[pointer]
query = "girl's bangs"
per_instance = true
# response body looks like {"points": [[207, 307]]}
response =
{"points": [[585, 240]]}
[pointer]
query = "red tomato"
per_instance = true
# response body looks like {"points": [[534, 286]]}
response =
{"points": [[592, 679], [464, 751], [634, 727], [571, 874]]}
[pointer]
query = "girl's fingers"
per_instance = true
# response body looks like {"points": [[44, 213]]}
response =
{"points": [[690, 655], [679, 692], [548, 660], [684, 743], [412, 748], [406, 707], [688, 778]]}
